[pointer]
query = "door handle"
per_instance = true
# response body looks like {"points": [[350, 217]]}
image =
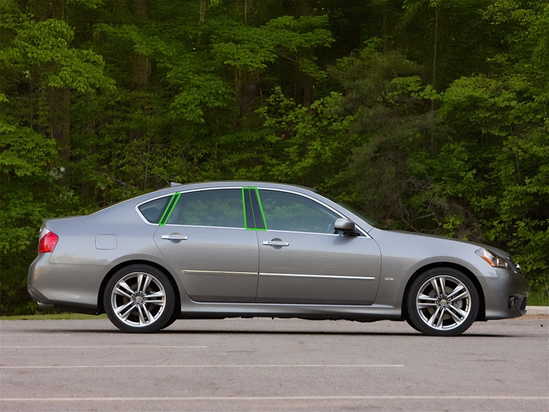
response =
{"points": [[275, 243], [174, 236]]}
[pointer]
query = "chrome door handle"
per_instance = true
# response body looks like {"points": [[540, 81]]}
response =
{"points": [[275, 243], [174, 236]]}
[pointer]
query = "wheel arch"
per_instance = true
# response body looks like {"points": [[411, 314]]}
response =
{"points": [[482, 307], [110, 274]]}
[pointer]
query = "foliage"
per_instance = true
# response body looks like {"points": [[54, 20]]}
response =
{"points": [[428, 115]]}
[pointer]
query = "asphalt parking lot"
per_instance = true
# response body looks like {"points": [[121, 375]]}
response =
{"points": [[271, 365]]}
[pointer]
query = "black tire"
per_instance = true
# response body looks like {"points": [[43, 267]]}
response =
{"points": [[174, 317], [139, 299], [409, 322], [442, 302]]}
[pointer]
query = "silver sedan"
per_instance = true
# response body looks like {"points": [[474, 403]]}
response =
{"points": [[250, 249]]}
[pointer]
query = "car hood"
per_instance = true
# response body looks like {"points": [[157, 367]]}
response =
{"points": [[412, 237]]}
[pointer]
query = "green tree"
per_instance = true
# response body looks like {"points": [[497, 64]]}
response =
{"points": [[41, 73]]}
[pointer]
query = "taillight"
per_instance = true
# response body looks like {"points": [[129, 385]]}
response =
{"points": [[47, 242]]}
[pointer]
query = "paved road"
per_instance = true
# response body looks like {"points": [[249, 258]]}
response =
{"points": [[272, 365]]}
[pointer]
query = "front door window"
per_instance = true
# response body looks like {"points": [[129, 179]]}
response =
{"points": [[303, 260], [296, 213]]}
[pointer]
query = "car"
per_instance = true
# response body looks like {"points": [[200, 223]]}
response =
{"points": [[251, 249]]}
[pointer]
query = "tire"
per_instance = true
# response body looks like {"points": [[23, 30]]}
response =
{"points": [[139, 299], [442, 302], [174, 317], [409, 322]]}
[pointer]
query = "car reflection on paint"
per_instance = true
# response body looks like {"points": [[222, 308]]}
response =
{"points": [[250, 249]]}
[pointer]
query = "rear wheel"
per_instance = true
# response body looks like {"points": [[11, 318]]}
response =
{"points": [[139, 298], [442, 302]]}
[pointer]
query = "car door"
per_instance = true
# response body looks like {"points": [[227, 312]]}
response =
{"points": [[302, 260], [203, 237]]}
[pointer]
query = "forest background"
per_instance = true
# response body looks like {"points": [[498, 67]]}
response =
{"points": [[428, 115]]}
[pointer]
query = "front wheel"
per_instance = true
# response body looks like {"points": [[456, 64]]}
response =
{"points": [[442, 302], [139, 298]]}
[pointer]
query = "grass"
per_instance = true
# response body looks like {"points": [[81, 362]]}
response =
{"points": [[535, 298], [54, 316], [538, 298]]}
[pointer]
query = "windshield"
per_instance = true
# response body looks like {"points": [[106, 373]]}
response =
{"points": [[359, 213]]}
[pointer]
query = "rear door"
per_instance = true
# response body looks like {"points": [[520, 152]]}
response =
{"points": [[203, 237]]}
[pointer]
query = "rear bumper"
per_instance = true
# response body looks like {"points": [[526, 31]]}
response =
{"points": [[64, 287], [40, 299], [45, 304]]}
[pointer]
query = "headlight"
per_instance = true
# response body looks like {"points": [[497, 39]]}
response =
{"points": [[492, 259]]}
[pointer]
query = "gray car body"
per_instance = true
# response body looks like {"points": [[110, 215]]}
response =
{"points": [[92, 248]]}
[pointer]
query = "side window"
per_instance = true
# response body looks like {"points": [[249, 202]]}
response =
{"points": [[152, 211], [220, 207], [292, 212]]}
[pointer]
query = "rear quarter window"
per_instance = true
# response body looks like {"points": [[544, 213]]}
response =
{"points": [[152, 211]]}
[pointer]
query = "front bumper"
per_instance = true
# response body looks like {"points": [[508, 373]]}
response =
{"points": [[506, 294]]}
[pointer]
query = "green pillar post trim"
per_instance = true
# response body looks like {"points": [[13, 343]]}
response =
{"points": [[247, 195], [169, 209]]}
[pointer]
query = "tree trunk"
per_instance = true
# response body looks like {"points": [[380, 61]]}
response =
{"points": [[59, 101], [140, 69], [433, 83], [248, 10], [141, 65], [304, 88], [246, 83], [304, 84], [203, 5]]}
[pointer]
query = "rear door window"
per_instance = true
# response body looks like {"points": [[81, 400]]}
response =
{"points": [[219, 207]]}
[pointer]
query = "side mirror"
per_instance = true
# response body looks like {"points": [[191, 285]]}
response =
{"points": [[346, 226]]}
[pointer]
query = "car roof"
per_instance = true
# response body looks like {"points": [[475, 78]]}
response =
{"points": [[227, 183], [206, 185]]}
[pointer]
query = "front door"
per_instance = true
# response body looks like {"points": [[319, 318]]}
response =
{"points": [[303, 261]]}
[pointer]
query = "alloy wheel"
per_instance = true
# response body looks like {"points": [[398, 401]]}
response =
{"points": [[138, 299], [442, 302]]}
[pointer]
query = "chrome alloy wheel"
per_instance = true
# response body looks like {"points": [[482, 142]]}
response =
{"points": [[443, 302], [138, 299]]}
